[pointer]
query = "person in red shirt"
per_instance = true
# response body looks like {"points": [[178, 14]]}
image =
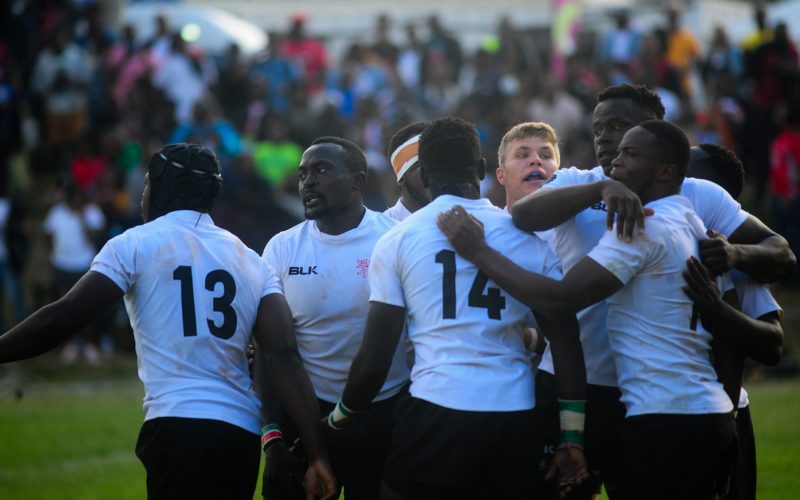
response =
{"points": [[310, 53], [785, 181]]}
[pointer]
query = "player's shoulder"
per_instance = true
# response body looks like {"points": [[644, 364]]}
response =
{"points": [[380, 221], [700, 189], [570, 176]]}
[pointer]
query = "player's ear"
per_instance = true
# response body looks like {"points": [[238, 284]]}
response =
{"points": [[359, 180], [500, 173], [667, 172], [481, 168]]}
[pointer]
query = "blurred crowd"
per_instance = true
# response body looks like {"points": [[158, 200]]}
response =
{"points": [[83, 106]]}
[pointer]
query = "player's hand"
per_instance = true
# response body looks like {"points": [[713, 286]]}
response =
{"points": [[569, 468], [464, 232], [250, 352], [333, 437], [716, 253], [626, 206], [283, 473], [320, 482], [702, 289]]}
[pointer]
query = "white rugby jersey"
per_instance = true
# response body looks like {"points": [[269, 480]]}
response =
{"points": [[325, 280], [72, 250], [466, 331], [398, 212], [755, 300], [662, 353], [576, 237], [192, 292]]}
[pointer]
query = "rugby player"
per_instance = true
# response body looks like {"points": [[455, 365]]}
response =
{"points": [[323, 266], [756, 326], [466, 430], [194, 294]]}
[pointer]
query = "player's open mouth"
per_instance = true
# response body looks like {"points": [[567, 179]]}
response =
{"points": [[311, 199], [533, 176]]}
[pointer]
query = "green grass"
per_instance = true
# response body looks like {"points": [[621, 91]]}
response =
{"points": [[75, 439]]}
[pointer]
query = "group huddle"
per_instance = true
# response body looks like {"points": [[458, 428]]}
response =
{"points": [[592, 332]]}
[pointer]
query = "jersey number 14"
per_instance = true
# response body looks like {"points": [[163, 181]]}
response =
{"points": [[221, 304], [492, 300]]}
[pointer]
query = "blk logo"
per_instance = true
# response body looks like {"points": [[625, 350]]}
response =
{"points": [[302, 271]]}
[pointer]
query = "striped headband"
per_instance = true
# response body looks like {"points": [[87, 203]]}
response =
{"points": [[405, 156]]}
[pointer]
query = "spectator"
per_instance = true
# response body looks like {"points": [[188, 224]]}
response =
{"points": [[785, 182], [309, 53]]}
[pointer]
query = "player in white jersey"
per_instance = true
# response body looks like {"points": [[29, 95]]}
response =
{"points": [[756, 326], [403, 153], [194, 294], [467, 428], [323, 266], [527, 157], [582, 204], [674, 402]]}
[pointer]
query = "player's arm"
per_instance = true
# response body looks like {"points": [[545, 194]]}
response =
{"points": [[374, 358], [547, 208], [752, 248], [274, 335], [569, 463], [760, 339], [92, 296], [586, 283]]}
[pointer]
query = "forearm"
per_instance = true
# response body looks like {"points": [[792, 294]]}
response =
{"points": [[756, 338], [547, 208], [42, 331], [568, 361], [297, 396], [364, 382], [272, 410], [768, 261]]}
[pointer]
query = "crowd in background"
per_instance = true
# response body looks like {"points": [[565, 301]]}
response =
{"points": [[84, 105]]}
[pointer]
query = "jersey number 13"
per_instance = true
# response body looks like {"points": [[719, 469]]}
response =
{"points": [[221, 304]]}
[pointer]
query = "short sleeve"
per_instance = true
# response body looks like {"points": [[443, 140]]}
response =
{"points": [[623, 260], [117, 261], [384, 275], [715, 207], [272, 263], [272, 284], [567, 177]]}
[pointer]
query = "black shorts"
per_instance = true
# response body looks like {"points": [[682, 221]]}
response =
{"points": [[605, 414], [439, 453], [358, 461], [743, 479], [667, 456], [198, 458]]}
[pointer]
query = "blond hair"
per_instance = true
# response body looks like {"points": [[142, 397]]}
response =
{"points": [[525, 130]]}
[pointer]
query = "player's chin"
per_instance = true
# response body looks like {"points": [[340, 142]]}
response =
{"points": [[314, 212]]}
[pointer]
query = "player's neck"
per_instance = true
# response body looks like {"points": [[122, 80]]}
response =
{"points": [[463, 190], [341, 222], [658, 192], [411, 202]]}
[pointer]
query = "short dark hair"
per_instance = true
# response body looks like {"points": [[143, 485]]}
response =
{"points": [[673, 145], [405, 134], [725, 168], [450, 147], [641, 96], [356, 161]]}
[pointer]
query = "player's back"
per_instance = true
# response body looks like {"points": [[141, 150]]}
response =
{"points": [[467, 333], [192, 292]]}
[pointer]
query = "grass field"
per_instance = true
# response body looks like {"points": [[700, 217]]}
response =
{"points": [[74, 438]]}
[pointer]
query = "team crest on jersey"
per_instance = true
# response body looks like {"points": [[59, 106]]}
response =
{"points": [[363, 267]]}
